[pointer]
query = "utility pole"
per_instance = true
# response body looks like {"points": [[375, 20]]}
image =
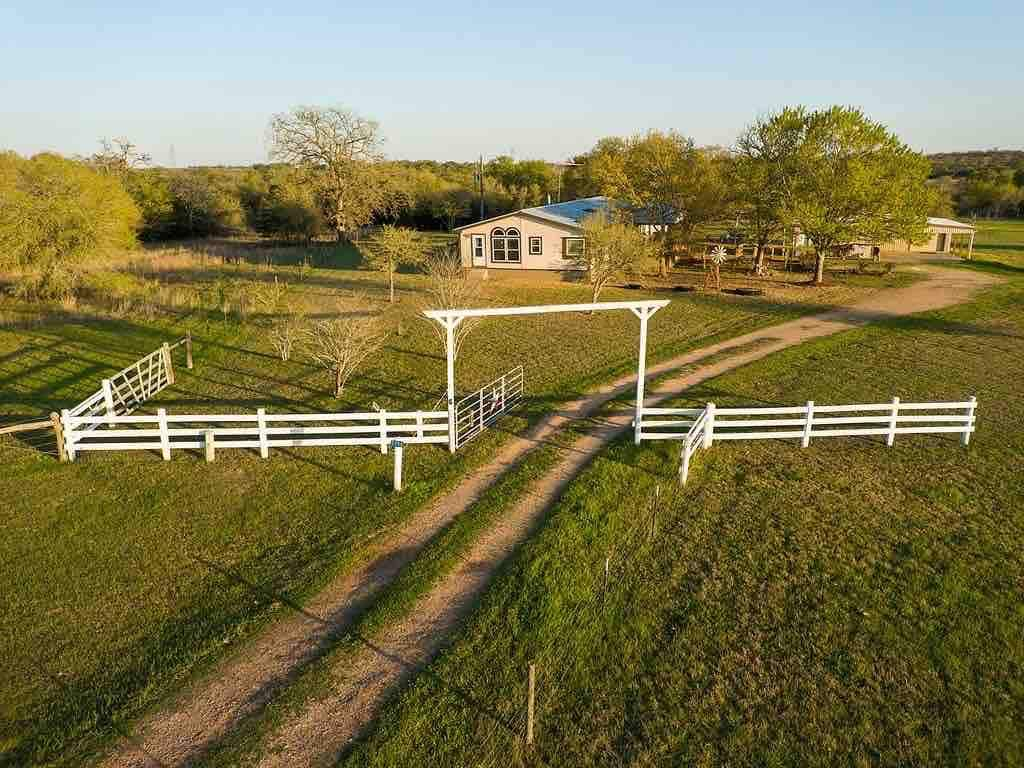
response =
{"points": [[561, 169], [480, 182]]}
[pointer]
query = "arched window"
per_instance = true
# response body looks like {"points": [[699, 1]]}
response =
{"points": [[505, 245]]}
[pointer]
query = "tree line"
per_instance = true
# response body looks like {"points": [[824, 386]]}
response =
{"points": [[834, 174], [988, 183]]}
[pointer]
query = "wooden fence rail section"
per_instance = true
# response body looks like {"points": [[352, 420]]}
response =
{"points": [[703, 426], [26, 426], [261, 430]]}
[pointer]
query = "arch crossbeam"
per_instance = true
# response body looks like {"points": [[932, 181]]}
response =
{"points": [[450, 319]]}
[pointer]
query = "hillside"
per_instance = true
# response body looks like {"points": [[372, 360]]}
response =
{"points": [[964, 163]]}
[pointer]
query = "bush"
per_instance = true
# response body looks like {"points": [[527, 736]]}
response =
{"points": [[58, 214]]}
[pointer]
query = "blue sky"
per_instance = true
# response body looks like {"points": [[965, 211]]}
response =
{"points": [[455, 80]]}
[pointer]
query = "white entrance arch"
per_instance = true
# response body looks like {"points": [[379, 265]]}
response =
{"points": [[450, 319]]}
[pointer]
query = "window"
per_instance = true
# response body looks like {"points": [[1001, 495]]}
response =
{"points": [[505, 245], [572, 247], [536, 246], [478, 249]]}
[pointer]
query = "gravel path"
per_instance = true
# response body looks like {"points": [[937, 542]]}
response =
{"points": [[208, 710]]}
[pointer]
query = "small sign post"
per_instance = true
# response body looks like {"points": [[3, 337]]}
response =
{"points": [[398, 450]]}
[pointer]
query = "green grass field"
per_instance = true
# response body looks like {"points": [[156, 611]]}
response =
{"points": [[123, 571], [844, 604], [1001, 240]]}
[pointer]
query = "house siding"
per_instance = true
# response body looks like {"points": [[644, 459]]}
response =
{"points": [[551, 235], [931, 245]]}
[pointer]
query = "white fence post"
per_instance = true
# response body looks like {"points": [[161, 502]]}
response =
{"points": [[69, 434], [965, 438], [165, 438], [709, 426], [108, 397], [891, 437], [684, 466], [807, 425], [209, 445], [261, 422], [169, 363], [419, 424], [449, 351], [383, 432], [641, 374], [397, 445]]}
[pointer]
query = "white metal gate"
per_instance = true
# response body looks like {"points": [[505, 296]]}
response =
{"points": [[475, 412]]}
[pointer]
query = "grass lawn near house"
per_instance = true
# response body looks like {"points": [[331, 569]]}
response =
{"points": [[117, 587], [841, 604]]}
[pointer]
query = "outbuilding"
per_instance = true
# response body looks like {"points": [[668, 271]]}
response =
{"points": [[944, 236]]}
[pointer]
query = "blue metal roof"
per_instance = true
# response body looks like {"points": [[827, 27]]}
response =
{"points": [[570, 212]]}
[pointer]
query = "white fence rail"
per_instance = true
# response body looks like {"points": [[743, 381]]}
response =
{"points": [[700, 428], [475, 412], [166, 432], [694, 439]]}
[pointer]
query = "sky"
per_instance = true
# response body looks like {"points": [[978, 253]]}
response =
{"points": [[455, 80]]}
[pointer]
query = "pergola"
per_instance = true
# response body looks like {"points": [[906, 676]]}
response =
{"points": [[450, 319]]}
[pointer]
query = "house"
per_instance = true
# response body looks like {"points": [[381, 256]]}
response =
{"points": [[548, 237]]}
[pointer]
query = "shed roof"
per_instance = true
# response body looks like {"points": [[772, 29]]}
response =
{"points": [[938, 221]]}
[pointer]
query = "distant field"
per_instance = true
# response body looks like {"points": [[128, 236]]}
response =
{"points": [[844, 604], [1001, 238], [123, 571]]}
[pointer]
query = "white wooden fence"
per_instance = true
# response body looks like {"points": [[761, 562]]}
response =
{"points": [[165, 432], [700, 427]]}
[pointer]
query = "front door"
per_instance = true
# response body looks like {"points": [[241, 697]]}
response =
{"points": [[476, 243], [940, 246]]}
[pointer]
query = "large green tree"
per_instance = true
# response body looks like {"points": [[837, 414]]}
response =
{"points": [[527, 182], [664, 177], [204, 203], [759, 172], [855, 181], [58, 213]]}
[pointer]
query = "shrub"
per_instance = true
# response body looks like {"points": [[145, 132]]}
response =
{"points": [[58, 214]]}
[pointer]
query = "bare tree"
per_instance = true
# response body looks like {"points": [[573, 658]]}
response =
{"points": [[119, 156], [340, 152], [449, 287], [287, 332], [341, 344]]}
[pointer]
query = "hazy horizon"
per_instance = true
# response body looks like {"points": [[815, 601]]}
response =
{"points": [[533, 82]]}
